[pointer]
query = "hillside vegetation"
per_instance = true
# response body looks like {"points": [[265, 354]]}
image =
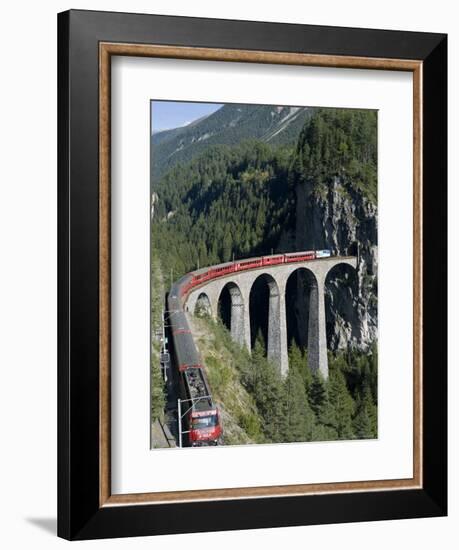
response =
{"points": [[228, 201], [253, 198], [229, 125], [259, 406], [338, 143], [241, 200], [158, 392]]}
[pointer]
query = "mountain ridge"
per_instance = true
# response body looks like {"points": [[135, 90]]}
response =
{"points": [[229, 125]]}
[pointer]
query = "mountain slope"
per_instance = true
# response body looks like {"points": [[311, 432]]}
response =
{"points": [[252, 199], [334, 173], [230, 125]]}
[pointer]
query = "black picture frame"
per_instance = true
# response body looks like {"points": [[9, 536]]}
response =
{"points": [[80, 515]]}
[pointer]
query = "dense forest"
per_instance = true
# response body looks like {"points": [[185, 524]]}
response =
{"points": [[304, 407], [338, 143], [228, 202], [240, 200]]}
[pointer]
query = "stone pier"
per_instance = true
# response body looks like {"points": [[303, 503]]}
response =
{"points": [[317, 334]]}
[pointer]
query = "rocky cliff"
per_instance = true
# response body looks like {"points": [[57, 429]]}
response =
{"points": [[341, 218], [333, 184]]}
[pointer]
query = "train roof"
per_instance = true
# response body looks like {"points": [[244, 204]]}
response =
{"points": [[238, 260]]}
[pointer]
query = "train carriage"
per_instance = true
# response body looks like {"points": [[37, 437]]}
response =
{"points": [[202, 419], [273, 260], [300, 256], [201, 277]]}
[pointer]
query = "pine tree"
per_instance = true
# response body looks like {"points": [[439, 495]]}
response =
{"points": [[227, 246], [269, 394], [362, 423], [202, 254], [317, 394], [366, 418], [323, 409], [298, 360], [342, 404], [300, 419]]}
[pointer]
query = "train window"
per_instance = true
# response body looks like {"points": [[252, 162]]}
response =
{"points": [[204, 422]]}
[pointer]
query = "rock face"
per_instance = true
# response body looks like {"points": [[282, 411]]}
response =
{"points": [[341, 218]]}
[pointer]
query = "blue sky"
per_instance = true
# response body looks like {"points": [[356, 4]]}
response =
{"points": [[173, 114]]}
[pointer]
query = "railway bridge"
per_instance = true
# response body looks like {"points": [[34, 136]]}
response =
{"points": [[240, 284]]}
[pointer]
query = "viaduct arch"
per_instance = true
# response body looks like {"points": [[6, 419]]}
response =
{"points": [[240, 284]]}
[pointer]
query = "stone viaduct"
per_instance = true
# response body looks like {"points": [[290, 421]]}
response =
{"points": [[240, 284]]}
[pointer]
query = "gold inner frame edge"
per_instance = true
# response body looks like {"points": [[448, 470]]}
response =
{"points": [[106, 51]]}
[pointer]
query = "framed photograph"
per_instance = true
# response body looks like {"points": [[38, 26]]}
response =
{"points": [[252, 275]]}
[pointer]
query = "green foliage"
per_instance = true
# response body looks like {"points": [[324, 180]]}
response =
{"points": [[338, 143], [157, 292], [269, 394], [300, 419], [238, 200], [201, 311], [341, 403], [250, 423], [158, 400], [158, 391], [230, 125], [228, 202], [302, 406], [342, 407], [317, 394], [298, 360], [221, 372], [365, 421]]}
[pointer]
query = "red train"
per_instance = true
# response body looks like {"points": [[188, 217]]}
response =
{"points": [[201, 423], [252, 263]]}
